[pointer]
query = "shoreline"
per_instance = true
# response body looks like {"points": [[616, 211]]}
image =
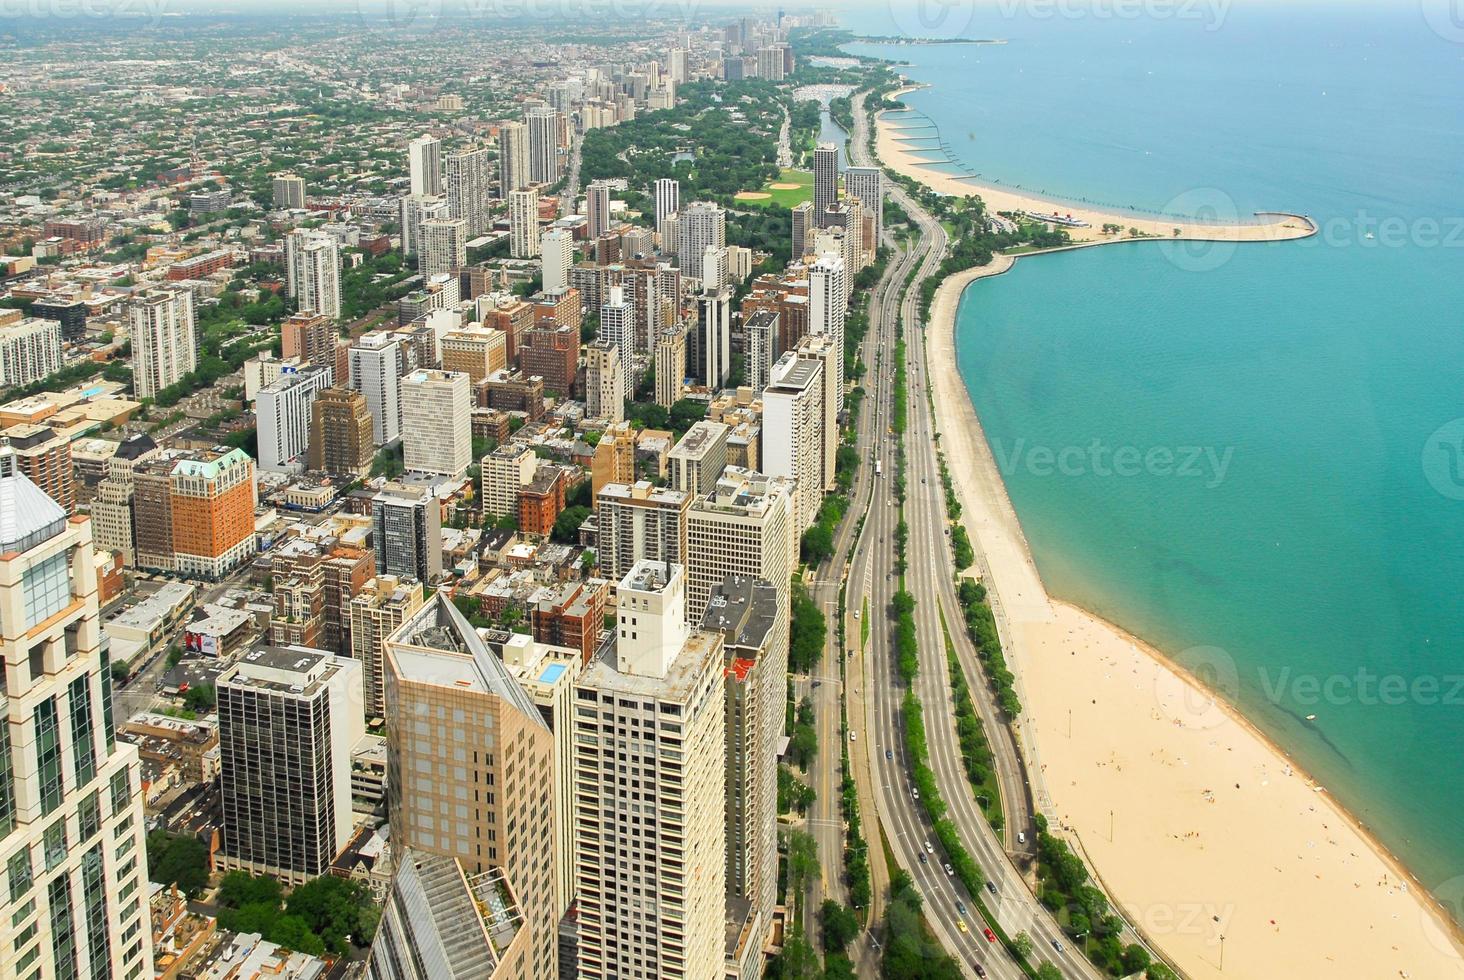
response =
{"points": [[1160, 752], [1267, 226]]}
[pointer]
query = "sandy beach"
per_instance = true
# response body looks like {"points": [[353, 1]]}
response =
{"points": [[1196, 823], [900, 149]]}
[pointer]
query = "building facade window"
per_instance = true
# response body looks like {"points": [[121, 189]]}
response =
{"points": [[47, 588], [83, 745], [48, 755], [63, 936]]}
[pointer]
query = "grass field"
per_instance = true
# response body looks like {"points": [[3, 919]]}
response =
{"points": [[784, 196]]}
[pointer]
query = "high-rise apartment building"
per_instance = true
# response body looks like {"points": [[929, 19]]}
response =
{"points": [[597, 208], [504, 472], [649, 720], [417, 209], [759, 346], [375, 613], [44, 456], [637, 521], [802, 224], [31, 350], [475, 350], [825, 181], [313, 272], [867, 184], [406, 532], [71, 818], [437, 428], [112, 507], [552, 353], [340, 433], [605, 387], [745, 612], [513, 158], [617, 324], [444, 246], [193, 512], [698, 458], [424, 164], [288, 719], [282, 413], [670, 370], [714, 337], [820, 348], [828, 305], [523, 223], [668, 201], [470, 768], [289, 191], [556, 247], [310, 337], [469, 189], [698, 225], [793, 432], [164, 339], [543, 123], [377, 363]]}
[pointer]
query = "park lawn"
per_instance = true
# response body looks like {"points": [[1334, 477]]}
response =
{"points": [[785, 198]]}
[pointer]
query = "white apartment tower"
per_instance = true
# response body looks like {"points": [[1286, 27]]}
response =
{"points": [[30, 350], [469, 189], [376, 363], [523, 223], [698, 225], [867, 184], [313, 272], [714, 337], [437, 431], [71, 821], [513, 158], [164, 339], [649, 720], [793, 432], [424, 163], [415, 210], [617, 324], [556, 247], [444, 246], [670, 371], [543, 144], [282, 413], [828, 305], [668, 200], [604, 381]]}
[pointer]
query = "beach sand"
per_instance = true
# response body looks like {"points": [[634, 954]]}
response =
{"points": [[908, 157], [1194, 821]]}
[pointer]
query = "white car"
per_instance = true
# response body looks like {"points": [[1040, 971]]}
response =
{"points": [[853, 735], [929, 848]]}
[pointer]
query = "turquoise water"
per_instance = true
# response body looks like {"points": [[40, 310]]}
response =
{"points": [[1310, 561]]}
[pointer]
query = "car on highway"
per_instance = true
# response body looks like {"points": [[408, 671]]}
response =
{"points": [[922, 858], [960, 906], [990, 936], [929, 848], [1021, 837], [950, 871], [961, 924], [853, 735], [980, 970], [914, 793], [991, 887], [1057, 945], [888, 755]]}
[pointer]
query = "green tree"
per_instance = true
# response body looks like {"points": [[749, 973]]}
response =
{"points": [[839, 924], [566, 525], [1022, 944], [177, 859], [802, 859], [340, 911]]}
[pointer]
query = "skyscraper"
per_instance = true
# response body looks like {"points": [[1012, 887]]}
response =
{"points": [[340, 433], [513, 158], [802, 223], [556, 246], [470, 767], [652, 878], [289, 191], [437, 430], [469, 189], [825, 180], [793, 432], [313, 272], [604, 381], [523, 223], [376, 363], [375, 613], [668, 200], [828, 305], [164, 339], [639, 521], [543, 144], [444, 246], [406, 532], [617, 323], [670, 371], [597, 208], [697, 460], [31, 350], [867, 184], [282, 413], [714, 337], [759, 345], [288, 719], [424, 163], [71, 819], [698, 225]]}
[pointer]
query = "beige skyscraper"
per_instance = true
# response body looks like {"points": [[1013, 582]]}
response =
{"points": [[821, 349], [597, 208], [513, 158], [444, 246], [670, 370], [543, 122], [164, 339], [604, 381], [340, 433], [437, 428], [71, 820], [382, 605], [697, 460], [652, 876], [523, 223], [557, 256], [470, 768]]}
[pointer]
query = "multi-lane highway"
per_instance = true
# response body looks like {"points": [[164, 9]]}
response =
{"points": [[872, 573]]}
